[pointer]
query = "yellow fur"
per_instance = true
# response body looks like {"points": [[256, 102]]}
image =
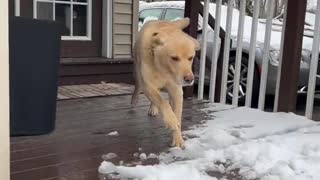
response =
{"points": [[163, 58]]}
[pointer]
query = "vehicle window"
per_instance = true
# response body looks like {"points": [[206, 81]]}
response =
{"points": [[150, 14], [174, 14], [147, 15]]}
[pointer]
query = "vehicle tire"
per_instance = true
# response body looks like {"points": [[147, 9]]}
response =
{"points": [[243, 81]]}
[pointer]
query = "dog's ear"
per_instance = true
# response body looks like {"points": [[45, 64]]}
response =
{"points": [[157, 39], [196, 44], [182, 23]]}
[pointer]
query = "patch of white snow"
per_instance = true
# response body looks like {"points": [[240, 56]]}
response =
{"points": [[109, 156], [262, 145], [113, 133]]}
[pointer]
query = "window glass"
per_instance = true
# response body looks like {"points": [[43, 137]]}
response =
{"points": [[45, 10], [150, 14], [79, 20], [147, 15], [75, 27], [63, 15], [174, 14]]}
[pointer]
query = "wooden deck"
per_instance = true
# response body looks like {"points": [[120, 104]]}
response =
{"points": [[74, 150]]}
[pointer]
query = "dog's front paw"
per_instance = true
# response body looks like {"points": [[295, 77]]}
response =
{"points": [[153, 111], [177, 140]]}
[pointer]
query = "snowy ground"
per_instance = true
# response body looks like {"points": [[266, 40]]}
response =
{"points": [[255, 144]]}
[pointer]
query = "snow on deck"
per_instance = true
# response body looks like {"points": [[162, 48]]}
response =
{"points": [[260, 145]]}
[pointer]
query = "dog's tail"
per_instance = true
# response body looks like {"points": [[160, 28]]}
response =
{"points": [[137, 88], [135, 96]]}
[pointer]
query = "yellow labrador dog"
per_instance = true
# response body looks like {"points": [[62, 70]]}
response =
{"points": [[163, 61]]}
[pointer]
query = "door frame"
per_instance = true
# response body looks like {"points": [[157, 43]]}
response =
{"points": [[4, 91]]}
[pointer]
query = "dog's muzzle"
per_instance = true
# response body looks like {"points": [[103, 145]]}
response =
{"points": [[188, 80]]}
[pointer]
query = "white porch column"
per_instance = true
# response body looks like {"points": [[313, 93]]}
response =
{"points": [[107, 24], [4, 92]]}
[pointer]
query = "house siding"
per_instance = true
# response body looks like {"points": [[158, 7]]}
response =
{"points": [[123, 28]]}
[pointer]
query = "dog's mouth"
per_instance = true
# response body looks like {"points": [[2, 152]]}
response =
{"points": [[184, 83]]}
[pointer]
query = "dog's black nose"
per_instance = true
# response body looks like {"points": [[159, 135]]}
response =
{"points": [[188, 78]]}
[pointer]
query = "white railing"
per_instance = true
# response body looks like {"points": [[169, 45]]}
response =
{"points": [[314, 64], [226, 53], [265, 60], [203, 50], [239, 52], [215, 53], [276, 99], [236, 79], [251, 54]]}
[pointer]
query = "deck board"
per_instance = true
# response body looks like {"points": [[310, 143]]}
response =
{"points": [[74, 149]]}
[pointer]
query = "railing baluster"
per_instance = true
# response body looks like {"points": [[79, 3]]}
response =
{"points": [[226, 53], [252, 52], [265, 60], [276, 98], [236, 82], [215, 54], [203, 50], [314, 64]]}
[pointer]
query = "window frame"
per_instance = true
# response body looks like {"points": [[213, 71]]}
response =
{"points": [[71, 37]]}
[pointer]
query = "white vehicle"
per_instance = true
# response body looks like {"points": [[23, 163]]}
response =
{"points": [[173, 10]]}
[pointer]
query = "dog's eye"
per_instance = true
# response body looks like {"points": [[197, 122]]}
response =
{"points": [[190, 58], [174, 58]]}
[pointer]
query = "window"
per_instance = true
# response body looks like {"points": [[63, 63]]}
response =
{"points": [[174, 14], [149, 14], [74, 14]]}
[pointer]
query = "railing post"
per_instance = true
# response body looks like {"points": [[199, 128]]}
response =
{"points": [[224, 56], [313, 64], [192, 12], [291, 55], [222, 35]]}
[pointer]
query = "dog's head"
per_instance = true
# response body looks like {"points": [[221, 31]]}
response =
{"points": [[175, 50]]}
